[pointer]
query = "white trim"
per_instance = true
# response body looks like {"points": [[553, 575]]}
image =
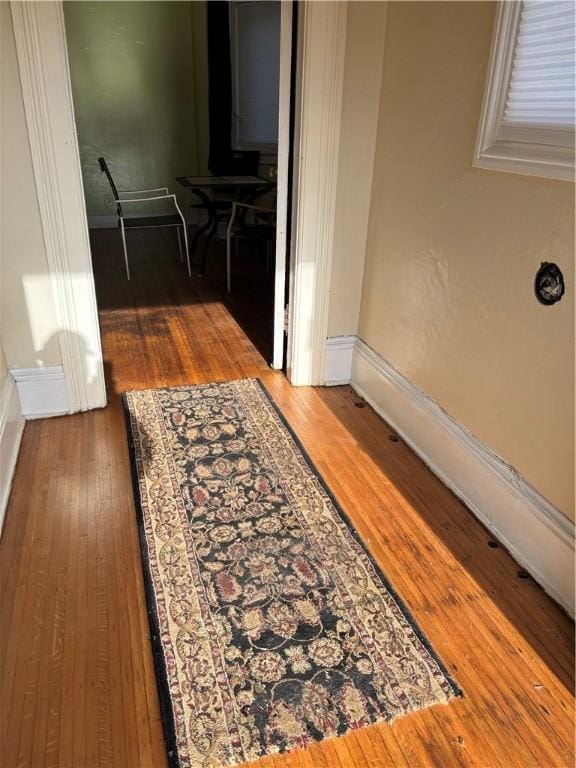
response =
{"points": [[282, 181], [103, 222], [320, 76], [42, 391], [523, 150], [11, 428], [527, 160], [338, 360], [45, 78], [537, 535]]}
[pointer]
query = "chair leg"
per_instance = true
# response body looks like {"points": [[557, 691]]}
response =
{"points": [[179, 243], [125, 249], [207, 242], [184, 230]]}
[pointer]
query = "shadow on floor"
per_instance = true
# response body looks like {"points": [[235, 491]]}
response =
{"points": [[159, 279]]}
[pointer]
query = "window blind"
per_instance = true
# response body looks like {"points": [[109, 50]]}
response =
{"points": [[256, 63], [541, 90]]}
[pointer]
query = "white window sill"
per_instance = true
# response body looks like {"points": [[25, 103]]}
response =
{"points": [[529, 159]]}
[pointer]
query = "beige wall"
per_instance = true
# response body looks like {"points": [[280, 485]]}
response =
{"points": [[365, 35], [3, 364], [452, 252], [28, 318]]}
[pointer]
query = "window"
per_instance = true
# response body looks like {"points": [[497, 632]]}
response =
{"points": [[527, 123], [255, 53]]}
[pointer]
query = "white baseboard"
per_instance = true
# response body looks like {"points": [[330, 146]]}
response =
{"points": [[103, 222], [42, 391], [11, 427], [537, 535], [338, 360]]}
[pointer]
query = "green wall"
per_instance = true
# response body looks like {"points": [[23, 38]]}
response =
{"points": [[139, 81]]}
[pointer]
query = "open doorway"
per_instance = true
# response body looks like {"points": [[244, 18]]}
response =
{"points": [[182, 113]]}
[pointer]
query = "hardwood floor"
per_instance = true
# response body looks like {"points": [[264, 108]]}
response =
{"points": [[77, 680]]}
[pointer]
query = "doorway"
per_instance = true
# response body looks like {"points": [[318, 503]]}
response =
{"points": [[45, 77], [186, 107]]}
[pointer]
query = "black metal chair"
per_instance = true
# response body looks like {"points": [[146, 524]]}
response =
{"points": [[261, 228], [146, 219]]}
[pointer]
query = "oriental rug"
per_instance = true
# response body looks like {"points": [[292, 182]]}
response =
{"points": [[272, 627]]}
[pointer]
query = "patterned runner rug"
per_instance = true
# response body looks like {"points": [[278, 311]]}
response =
{"points": [[272, 626]]}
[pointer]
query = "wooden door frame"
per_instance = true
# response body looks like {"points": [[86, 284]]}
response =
{"points": [[318, 105], [45, 76], [282, 181]]}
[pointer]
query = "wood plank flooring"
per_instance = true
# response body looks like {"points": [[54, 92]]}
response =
{"points": [[77, 680]]}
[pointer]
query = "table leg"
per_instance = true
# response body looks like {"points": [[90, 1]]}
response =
{"points": [[197, 235], [209, 236]]}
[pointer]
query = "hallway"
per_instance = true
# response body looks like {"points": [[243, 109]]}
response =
{"points": [[78, 687]]}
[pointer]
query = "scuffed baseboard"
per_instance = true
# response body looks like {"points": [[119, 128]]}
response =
{"points": [[538, 536]]}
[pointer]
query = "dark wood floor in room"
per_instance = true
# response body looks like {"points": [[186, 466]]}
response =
{"points": [[77, 679]]}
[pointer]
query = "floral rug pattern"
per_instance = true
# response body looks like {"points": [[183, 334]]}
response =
{"points": [[272, 626]]}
